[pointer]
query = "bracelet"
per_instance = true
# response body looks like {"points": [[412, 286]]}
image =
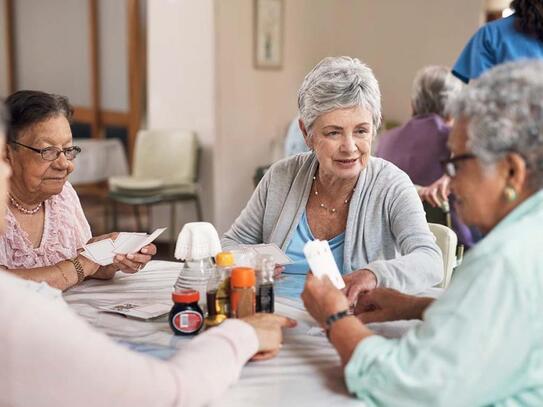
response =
{"points": [[78, 269], [334, 318]]}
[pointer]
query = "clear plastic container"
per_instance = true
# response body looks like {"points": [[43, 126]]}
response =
{"points": [[195, 275]]}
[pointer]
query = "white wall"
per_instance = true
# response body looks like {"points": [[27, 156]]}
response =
{"points": [[51, 47], [181, 79], [3, 53], [113, 40]]}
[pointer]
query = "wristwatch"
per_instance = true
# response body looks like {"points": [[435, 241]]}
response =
{"points": [[78, 269], [334, 318]]}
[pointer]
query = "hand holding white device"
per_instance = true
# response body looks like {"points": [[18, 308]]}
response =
{"points": [[322, 263]]}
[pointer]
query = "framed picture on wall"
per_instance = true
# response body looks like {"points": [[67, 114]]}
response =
{"points": [[268, 36]]}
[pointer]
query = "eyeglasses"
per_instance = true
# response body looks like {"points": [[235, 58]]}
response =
{"points": [[450, 165], [52, 153]]}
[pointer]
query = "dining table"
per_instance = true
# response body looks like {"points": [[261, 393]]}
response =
{"points": [[306, 372]]}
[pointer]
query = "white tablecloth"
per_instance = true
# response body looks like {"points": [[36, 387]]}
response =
{"points": [[306, 372], [99, 160]]}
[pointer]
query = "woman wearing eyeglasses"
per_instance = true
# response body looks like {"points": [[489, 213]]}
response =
{"points": [[45, 223], [481, 342]]}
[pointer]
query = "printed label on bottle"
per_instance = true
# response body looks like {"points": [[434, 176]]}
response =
{"points": [[188, 321]]}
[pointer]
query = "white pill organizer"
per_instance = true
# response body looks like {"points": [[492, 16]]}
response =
{"points": [[321, 262]]}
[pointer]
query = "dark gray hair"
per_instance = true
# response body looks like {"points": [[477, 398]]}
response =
{"points": [[29, 107], [339, 83], [504, 111], [432, 87]]}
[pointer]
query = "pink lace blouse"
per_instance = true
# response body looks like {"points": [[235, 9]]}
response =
{"points": [[66, 229]]}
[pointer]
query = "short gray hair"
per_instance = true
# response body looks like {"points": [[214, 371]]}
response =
{"points": [[339, 83], [432, 87], [504, 113]]}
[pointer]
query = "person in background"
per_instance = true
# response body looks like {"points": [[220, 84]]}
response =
{"points": [[480, 343], [366, 208], [418, 146], [50, 357], [45, 224], [519, 36], [294, 140]]}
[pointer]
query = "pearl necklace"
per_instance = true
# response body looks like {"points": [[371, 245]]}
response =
{"points": [[322, 205], [22, 209]]}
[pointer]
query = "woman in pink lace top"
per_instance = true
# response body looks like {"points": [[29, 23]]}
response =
{"points": [[45, 224]]}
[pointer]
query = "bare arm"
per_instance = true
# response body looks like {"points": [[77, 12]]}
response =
{"points": [[61, 275]]}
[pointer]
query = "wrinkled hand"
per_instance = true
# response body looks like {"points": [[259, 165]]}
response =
{"points": [[322, 299], [357, 282], [269, 332], [130, 263], [278, 271], [134, 262], [386, 304], [436, 193]]}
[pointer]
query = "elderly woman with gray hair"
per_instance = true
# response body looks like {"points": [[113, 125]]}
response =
{"points": [[418, 146], [366, 208], [481, 342]]}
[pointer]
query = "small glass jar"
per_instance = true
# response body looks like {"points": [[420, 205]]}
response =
{"points": [[242, 294], [218, 290], [186, 316], [265, 296]]}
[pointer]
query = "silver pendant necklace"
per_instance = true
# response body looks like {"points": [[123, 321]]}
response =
{"points": [[22, 209], [322, 205]]}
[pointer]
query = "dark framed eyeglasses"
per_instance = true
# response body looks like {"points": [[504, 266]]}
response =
{"points": [[52, 153], [450, 165]]}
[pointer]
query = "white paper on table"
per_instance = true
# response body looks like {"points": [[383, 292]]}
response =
{"points": [[138, 310], [135, 242], [269, 249], [316, 331], [321, 262]]}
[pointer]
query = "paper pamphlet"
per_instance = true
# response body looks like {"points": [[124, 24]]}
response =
{"points": [[270, 249], [139, 311], [322, 263]]}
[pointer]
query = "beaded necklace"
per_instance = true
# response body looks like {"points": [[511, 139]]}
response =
{"points": [[322, 205], [22, 209]]}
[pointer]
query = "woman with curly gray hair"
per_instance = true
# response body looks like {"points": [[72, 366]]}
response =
{"points": [[366, 208], [482, 341]]}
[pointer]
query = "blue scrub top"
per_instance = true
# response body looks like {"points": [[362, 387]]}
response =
{"points": [[293, 282], [495, 43]]}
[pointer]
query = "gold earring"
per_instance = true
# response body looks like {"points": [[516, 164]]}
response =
{"points": [[510, 193]]}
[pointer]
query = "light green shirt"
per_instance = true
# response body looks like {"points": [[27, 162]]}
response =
{"points": [[481, 343]]}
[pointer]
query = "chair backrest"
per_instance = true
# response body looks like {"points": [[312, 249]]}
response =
{"points": [[446, 239], [169, 155]]}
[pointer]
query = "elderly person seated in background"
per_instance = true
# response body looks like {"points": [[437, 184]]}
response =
{"points": [[418, 146], [365, 207], [481, 342], [45, 224], [71, 364]]}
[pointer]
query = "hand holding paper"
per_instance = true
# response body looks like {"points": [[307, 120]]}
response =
{"points": [[103, 252]]}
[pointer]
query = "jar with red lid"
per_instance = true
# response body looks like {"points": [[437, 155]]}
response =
{"points": [[186, 316]]}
